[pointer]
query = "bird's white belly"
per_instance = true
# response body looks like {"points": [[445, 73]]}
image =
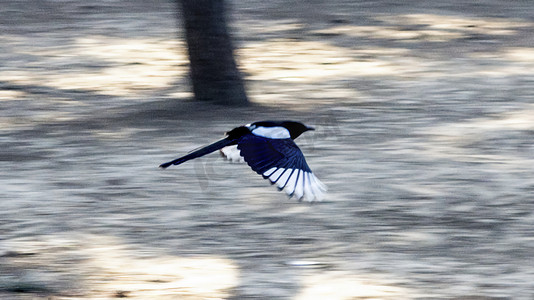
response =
{"points": [[232, 154]]}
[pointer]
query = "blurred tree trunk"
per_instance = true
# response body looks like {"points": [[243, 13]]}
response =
{"points": [[214, 72]]}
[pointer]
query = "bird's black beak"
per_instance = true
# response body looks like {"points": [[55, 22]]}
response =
{"points": [[310, 128]]}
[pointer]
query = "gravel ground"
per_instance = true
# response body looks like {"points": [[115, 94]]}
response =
{"points": [[425, 121]]}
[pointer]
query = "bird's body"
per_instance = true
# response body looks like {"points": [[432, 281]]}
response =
{"points": [[268, 148]]}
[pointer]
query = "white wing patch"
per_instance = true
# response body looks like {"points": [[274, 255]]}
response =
{"points": [[269, 172], [232, 154], [274, 177], [277, 132], [282, 181], [298, 183]]}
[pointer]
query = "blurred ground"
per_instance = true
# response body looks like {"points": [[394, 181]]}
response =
{"points": [[425, 117]]}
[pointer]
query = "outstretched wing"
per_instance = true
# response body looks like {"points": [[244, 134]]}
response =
{"points": [[282, 162]]}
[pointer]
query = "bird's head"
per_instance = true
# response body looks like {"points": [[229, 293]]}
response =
{"points": [[296, 128], [278, 129]]}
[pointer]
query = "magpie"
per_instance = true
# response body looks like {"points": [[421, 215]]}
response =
{"points": [[268, 148]]}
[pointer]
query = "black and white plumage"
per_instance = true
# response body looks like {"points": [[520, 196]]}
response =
{"points": [[269, 149]]}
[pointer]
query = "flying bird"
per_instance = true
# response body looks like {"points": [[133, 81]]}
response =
{"points": [[269, 149]]}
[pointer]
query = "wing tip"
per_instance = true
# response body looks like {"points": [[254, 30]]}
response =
{"points": [[313, 192]]}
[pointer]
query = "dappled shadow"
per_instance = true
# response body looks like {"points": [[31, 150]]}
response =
{"points": [[100, 266], [423, 116], [105, 267]]}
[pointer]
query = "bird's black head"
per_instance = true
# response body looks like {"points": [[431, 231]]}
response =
{"points": [[296, 128]]}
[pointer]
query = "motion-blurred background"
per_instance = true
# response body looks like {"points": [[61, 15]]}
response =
{"points": [[425, 120]]}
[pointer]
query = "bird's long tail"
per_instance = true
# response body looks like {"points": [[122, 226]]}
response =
{"points": [[201, 152]]}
